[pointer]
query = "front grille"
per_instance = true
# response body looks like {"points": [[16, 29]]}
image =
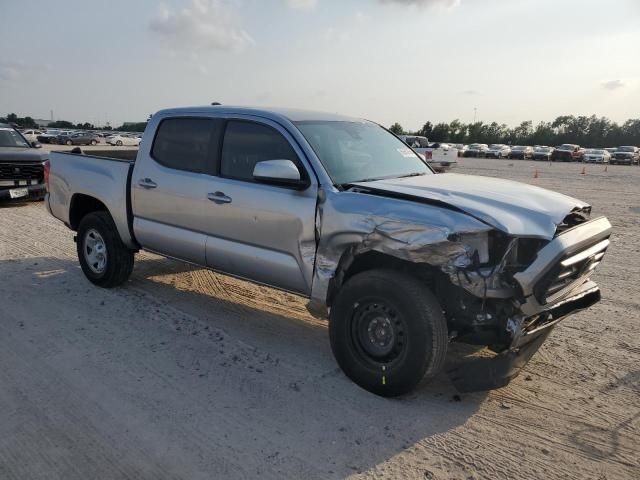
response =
{"points": [[22, 171], [569, 272]]}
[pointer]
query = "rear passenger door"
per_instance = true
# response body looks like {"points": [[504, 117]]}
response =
{"points": [[262, 232], [171, 183]]}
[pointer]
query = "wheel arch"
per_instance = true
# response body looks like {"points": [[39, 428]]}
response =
{"points": [[81, 205]]}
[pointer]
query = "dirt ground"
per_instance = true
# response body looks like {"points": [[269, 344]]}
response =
{"points": [[186, 374]]}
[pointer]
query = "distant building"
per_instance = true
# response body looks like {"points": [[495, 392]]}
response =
{"points": [[42, 122]]}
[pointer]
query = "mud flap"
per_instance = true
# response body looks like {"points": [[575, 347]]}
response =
{"points": [[487, 373]]}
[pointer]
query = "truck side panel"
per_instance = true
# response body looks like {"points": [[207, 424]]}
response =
{"points": [[101, 178]]}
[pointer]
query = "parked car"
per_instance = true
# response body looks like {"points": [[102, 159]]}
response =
{"points": [[21, 166], [627, 155], [63, 137], [522, 152], [48, 137], [341, 211], [120, 140], [542, 153], [497, 150], [596, 155], [476, 150], [31, 135], [440, 156], [461, 149], [566, 152], [80, 138], [611, 150]]}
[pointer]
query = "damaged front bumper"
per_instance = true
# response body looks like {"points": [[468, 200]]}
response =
{"points": [[488, 373]]}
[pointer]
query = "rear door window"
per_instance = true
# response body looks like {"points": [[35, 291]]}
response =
{"points": [[189, 144]]}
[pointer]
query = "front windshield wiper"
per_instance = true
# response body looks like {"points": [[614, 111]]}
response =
{"points": [[375, 179], [416, 174]]}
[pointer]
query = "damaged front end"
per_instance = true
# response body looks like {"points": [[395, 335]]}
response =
{"points": [[497, 289]]}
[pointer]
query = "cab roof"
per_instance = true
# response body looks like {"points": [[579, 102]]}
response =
{"points": [[290, 114]]}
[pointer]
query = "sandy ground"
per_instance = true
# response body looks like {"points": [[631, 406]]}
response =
{"points": [[186, 374]]}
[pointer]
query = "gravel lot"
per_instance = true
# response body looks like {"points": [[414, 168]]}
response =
{"points": [[188, 374]]}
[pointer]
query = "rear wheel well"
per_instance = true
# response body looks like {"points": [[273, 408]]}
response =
{"points": [[82, 205]]}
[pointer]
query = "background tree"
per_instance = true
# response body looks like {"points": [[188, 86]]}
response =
{"points": [[397, 129]]}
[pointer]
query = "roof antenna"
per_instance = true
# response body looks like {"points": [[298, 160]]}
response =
{"points": [[216, 103]]}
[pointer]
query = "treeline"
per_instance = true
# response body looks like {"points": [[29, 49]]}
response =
{"points": [[29, 122], [586, 131]]}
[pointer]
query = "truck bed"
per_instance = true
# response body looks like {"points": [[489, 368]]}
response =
{"points": [[105, 178]]}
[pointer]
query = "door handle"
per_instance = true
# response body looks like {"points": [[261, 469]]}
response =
{"points": [[218, 198], [147, 183]]}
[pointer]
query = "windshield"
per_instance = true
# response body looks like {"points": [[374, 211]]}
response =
{"points": [[594, 151], [566, 147], [496, 146], [518, 147], [359, 151], [543, 149], [10, 138], [627, 149]]}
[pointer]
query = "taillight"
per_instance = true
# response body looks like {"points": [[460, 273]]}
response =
{"points": [[46, 166], [428, 155]]}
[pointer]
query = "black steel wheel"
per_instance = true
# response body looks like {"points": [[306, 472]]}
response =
{"points": [[387, 331]]}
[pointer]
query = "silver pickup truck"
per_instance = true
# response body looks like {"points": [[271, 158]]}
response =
{"points": [[402, 261]]}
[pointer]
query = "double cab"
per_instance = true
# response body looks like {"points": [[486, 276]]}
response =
{"points": [[402, 261]]}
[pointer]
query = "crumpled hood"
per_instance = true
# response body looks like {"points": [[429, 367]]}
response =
{"points": [[11, 154], [515, 208]]}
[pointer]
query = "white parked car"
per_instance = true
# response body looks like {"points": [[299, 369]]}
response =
{"points": [[120, 140], [596, 155], [31, 135], [497, 150]]}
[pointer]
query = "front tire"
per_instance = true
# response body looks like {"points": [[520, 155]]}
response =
{"points": [[119, 143], [104, 259], [387, 332]]}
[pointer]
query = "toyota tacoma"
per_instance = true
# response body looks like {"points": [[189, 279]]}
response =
{"points": [[402, 261]]}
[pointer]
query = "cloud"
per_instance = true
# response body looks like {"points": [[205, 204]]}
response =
{"points": [[205, 25], [612, 84], [471, 92], [302, 3], [9, 72], [426, 3]]}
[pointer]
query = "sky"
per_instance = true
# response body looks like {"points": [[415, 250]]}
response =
{"points": [[404, 61]]}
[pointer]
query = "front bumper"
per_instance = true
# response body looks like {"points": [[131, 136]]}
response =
{"points": [[563, 265], [487, 373], [36, 192]]}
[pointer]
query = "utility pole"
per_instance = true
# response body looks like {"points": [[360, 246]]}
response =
{"points": [[475, 111]]}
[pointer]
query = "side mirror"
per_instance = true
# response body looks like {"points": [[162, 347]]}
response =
{"points": [[36, 145], [278, 172]]}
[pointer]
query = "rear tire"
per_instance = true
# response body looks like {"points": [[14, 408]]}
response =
{"points": [[94, 143], [104, 259], [69, 142], [387, 332], [119, 143]]}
